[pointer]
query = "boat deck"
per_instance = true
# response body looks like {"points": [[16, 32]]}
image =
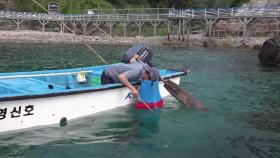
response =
{"points": [[56, 81]]}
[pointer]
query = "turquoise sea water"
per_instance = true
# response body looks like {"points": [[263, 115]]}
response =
{"points": [[243, 99]]}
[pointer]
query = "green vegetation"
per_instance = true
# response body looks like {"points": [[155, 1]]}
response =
{"points": [[66, 6], [79, 6]]}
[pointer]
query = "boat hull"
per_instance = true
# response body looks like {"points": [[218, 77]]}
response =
{"points": [[42, 111]]}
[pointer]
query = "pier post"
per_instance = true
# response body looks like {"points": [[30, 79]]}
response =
{"points": [[244, 28], [183, 29], [139, 29], [188, 29], [74, 24], [84, 24], [206, 29], [155, 29], [179, 29], [168, 29], [245, 22], [210, 28], [43, 23], [61, 26], [111, 25], [155, 25], [140, 24], [124, 28], [10, 24], [18, 22]]}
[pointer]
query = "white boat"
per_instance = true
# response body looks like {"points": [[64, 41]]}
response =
{"points": [[40, 98]]}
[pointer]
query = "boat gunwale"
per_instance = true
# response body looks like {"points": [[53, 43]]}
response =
{"points": [[79, 91]]}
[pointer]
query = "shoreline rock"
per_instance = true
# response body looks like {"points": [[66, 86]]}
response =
{"points": [[28, 36], [270, 53]]}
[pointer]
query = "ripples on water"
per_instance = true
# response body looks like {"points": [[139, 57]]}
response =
{"points": [[243, 101]]}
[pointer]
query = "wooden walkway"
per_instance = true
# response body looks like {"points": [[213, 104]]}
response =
{"points": [[239, 20], [103, 21], [177, 22]]}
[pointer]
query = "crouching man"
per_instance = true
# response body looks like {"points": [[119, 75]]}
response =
{"points": [[127, 73]]}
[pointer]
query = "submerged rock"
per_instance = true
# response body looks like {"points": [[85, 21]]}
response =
{"points": [[209, 43], [270, 52]]}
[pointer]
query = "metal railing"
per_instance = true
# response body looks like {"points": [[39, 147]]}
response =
{"points": [[96, 15], [144, 14], [116, 17], [130, 11], [224, 12], [28, 16]]}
